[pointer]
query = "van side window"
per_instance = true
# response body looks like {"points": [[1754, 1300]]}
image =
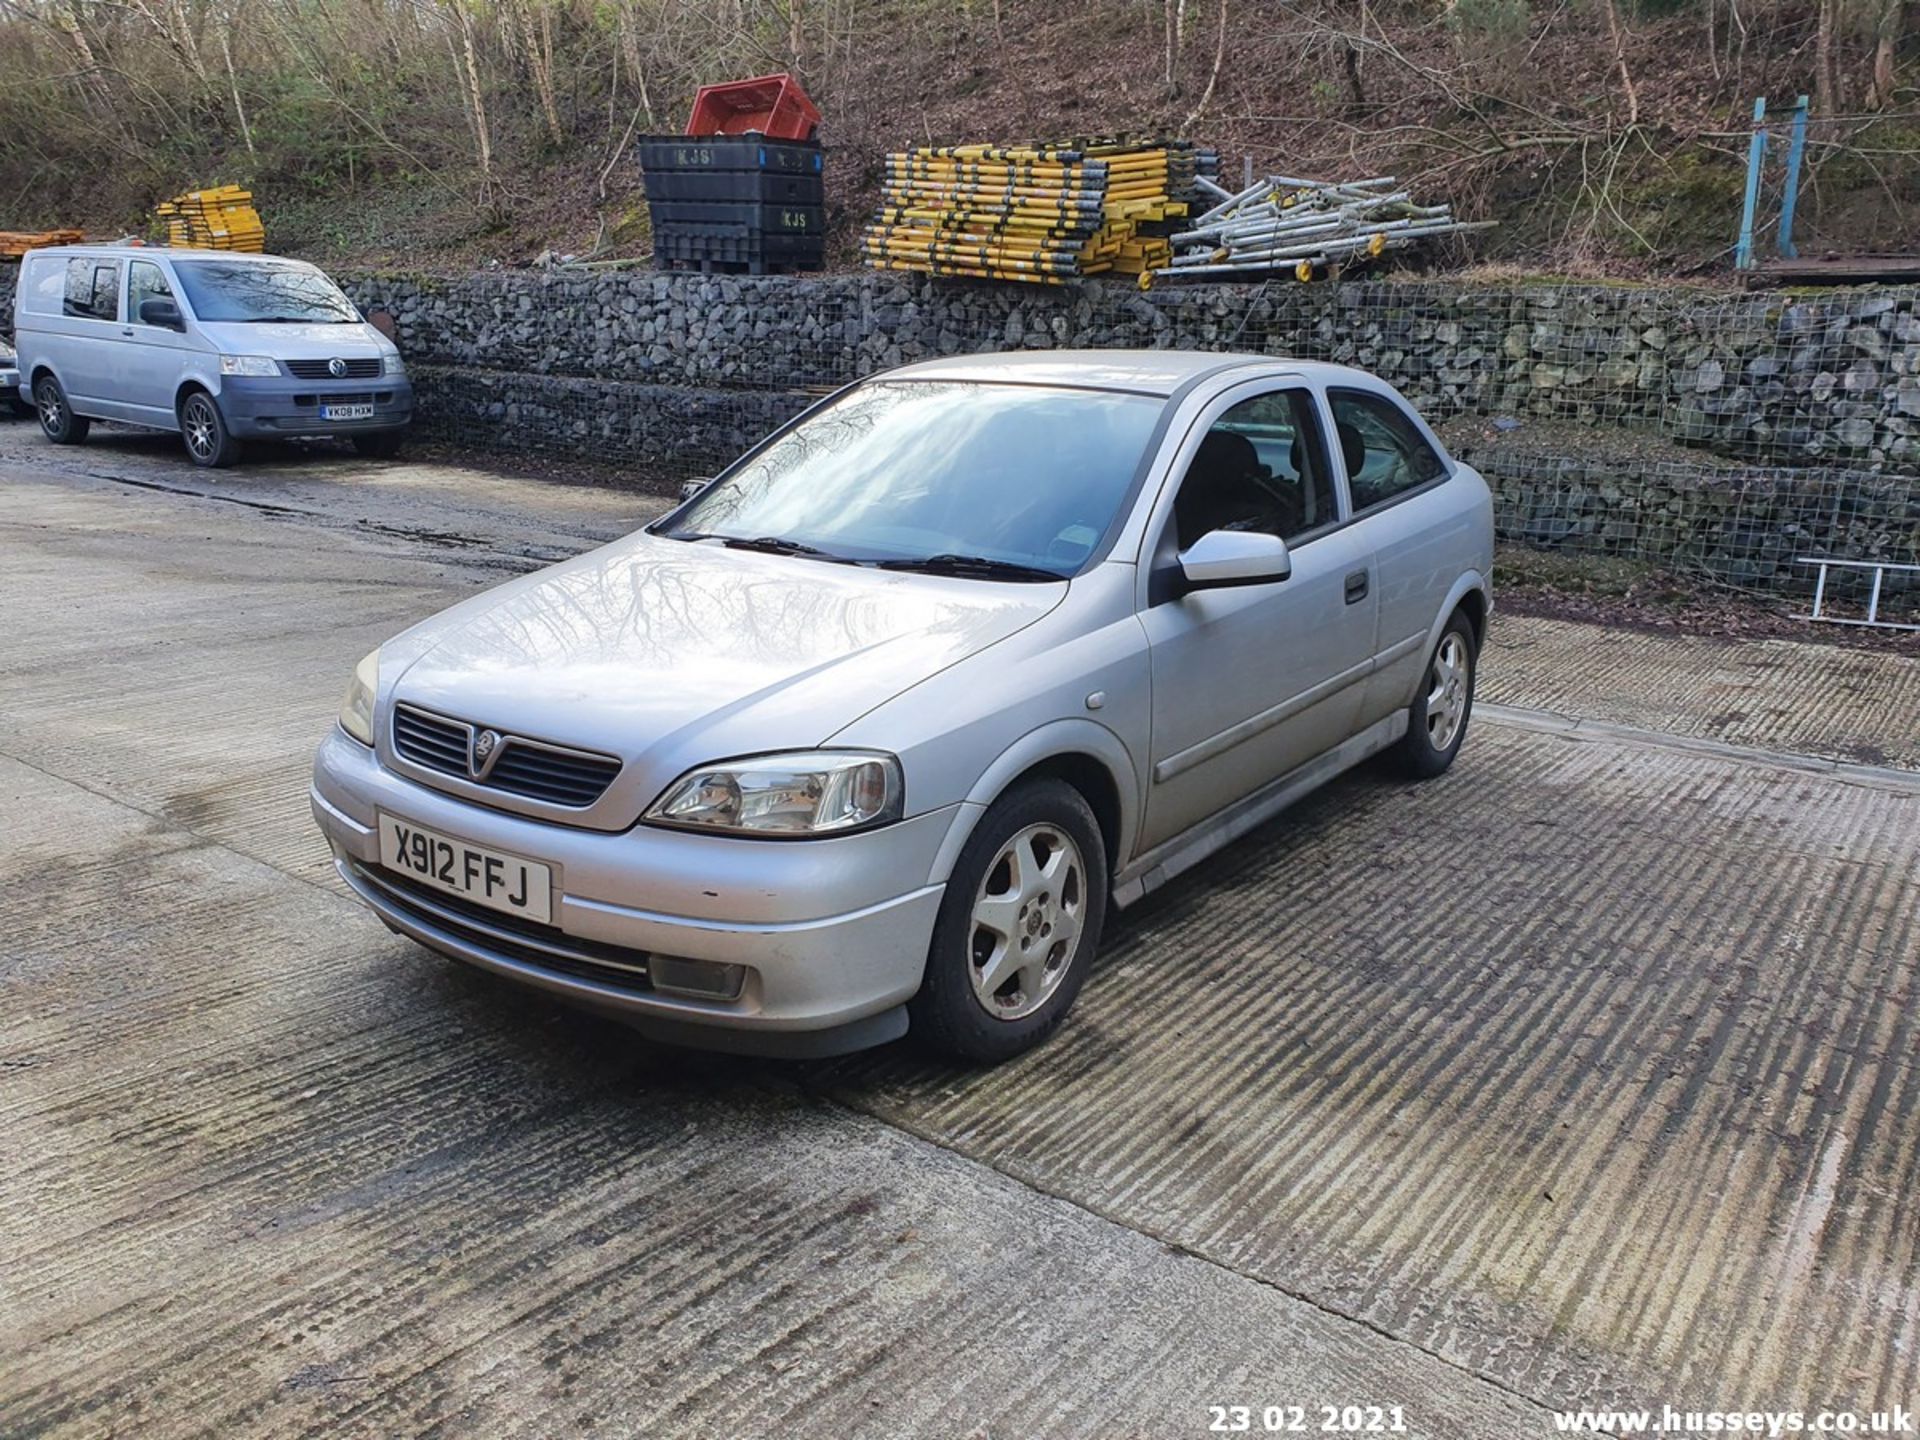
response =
{"points": [[1385, 453], [45, 285], [1261, 467], [145, 281], [93, 288]]}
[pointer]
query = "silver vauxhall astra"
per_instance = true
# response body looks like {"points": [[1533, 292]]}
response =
{"points": [[872, 730]]}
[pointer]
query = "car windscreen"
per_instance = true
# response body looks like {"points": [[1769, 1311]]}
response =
{"points": [[903, 470], [237, 291]]}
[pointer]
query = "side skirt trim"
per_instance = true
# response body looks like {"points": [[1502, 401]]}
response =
{"points": [[1168, 859]]}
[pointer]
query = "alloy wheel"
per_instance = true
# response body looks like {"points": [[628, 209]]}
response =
{"points": [[52, 411], [200, 426], [1027, 921], [1447, 690]]}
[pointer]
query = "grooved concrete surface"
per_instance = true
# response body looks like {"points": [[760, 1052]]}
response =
{"points": [[1582, 1076], [1861, 706]]}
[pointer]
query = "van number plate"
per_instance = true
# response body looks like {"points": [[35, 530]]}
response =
{"points": [[346, 412]]}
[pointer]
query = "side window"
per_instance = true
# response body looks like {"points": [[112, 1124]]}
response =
{"points": [[1262, 467], [1384, 451], [45, 285], [145, 281], [93, 288]]}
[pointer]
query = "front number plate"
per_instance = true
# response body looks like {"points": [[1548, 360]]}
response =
{"points": [[486, 877], [346, 412]]}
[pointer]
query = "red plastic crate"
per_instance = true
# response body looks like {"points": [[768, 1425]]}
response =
{"points": [[772, 105]]}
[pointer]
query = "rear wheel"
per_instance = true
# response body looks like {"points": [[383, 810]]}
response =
{"points": [[1437, 719], [1017, 928], [205, 432], [57, 419], [381, 445]]}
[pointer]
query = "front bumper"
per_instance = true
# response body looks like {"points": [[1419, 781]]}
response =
{"points": [[266, 405], [834, 932]]}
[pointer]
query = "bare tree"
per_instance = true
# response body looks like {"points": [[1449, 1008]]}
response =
{"points": [[1826, 77], [1886, 45], [467, 65], [224, 23], [535, 21], [1213, 75], [1176, 17], [1620, 60]]}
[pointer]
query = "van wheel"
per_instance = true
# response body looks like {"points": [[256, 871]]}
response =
{"points": [[1437, 719], [1017, 928], [57, 419], [381, 445], [208, 442]]}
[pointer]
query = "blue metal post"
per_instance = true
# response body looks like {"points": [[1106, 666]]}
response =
{"points": [[1756, 157], [1796, 146]]}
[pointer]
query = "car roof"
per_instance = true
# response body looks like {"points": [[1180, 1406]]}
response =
{"points": [[1150, 372], [147, 251]]}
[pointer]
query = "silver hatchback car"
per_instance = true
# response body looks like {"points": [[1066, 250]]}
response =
{"points": [[873, 729]]}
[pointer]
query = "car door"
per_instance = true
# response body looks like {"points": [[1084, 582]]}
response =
{"points": [[1412, 522], [1250, 683], [90, 312], [149, 362]]}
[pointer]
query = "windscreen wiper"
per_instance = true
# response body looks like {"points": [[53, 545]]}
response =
{"points": [[774, 545], [980, 567]]}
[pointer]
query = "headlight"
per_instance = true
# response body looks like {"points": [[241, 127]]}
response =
{"points": [[393, 365], [356, 711], [7, 355], [248, 365], [813, 792]]}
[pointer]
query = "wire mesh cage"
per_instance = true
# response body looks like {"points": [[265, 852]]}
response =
{"points": [[1719, 434]]}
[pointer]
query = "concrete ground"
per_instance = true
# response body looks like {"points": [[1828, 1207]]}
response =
{"points": [[1583, 1076]]}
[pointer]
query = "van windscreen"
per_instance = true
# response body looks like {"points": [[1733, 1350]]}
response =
{"points": [[250, 292]]}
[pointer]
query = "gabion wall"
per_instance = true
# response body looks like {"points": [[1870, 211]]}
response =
{"points": [[1806, 408], [1832, 379], [1749, 526]]}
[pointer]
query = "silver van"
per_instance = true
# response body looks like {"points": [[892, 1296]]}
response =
{"points": [[218, 346]]}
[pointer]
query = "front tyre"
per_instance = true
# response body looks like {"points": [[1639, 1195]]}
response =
{"points": [[1437, 719], [57, 420], [208, 441], [1017, 928]]}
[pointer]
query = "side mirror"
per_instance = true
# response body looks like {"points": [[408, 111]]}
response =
{"points": [[1221, 559], [163, 313], [691, 488]]}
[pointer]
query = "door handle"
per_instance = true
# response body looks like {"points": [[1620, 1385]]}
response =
{"points": [[1356, 587], [126, 330]]}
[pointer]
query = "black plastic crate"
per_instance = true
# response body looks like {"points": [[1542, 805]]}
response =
{"points": [[735, 247], [738, 187], [729, 152], [769, 219], [734, 241]]}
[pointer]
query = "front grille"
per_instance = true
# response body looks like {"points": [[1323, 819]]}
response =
{"points": [[430, 741], [318, 369], [530, 943], [531, 769]]}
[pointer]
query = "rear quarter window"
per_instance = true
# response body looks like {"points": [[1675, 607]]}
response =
{"points": [[1385, 454], [43, 286]]}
